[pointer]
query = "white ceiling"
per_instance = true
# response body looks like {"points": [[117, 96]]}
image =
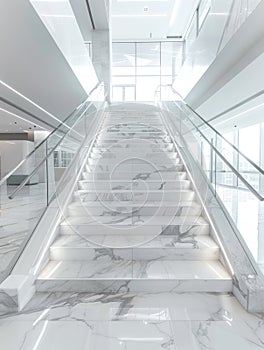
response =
{"points": [[163, 18], [12, 122]]}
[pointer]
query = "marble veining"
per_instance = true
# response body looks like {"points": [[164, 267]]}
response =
{"points": [[195, 321]]}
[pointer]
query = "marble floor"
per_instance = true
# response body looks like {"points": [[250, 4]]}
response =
{"points": [[126, 321]]}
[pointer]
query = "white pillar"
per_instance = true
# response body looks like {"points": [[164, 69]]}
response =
{"points": [[102, 58]]}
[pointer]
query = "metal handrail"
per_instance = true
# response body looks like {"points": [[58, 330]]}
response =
{"points": [[3, 180], [25, 181], [237, 173], [257, 167], [237, 105]]}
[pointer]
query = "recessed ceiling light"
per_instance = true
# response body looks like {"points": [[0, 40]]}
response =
{"points": [[146, 15], [141, 0], [17, 116], [57, 16]]}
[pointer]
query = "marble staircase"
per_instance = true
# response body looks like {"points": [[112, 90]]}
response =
{"points": [[135, 222]]}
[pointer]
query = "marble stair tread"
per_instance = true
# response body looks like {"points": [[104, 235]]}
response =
{"points": [[74, 247], [127, 220], [127, 270], [128, 176], [125, 204], [142, 233], [134, 184], [199, 242], [136, 196], [134, 191], [135, 159], [134, 168], [124, 153], [125, 176]]}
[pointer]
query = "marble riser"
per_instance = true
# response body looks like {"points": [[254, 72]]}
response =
{"points": [[141, 154], [135, 168], [128, 176], [133, 142], [129, 161], [140, 232], [133, 120], [148, 148], [137, 220], [142, 254], [134, 196], [113, 130], [134, 185], [127, 285], [110, 137], [105, 133], [188, 209]]}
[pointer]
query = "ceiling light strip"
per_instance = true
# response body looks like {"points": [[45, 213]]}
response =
{"points": [[29, 100], [17, 116], [146, 15], [90, 13], [26, 112]]}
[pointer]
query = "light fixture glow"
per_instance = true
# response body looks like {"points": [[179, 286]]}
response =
{"points": [[29, 100], [145, 15], [56, 16], [140, 0], [17, 116], [174, 13], [41, 335]]}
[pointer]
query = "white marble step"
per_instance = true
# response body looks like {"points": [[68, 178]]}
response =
{"points": [[122, 275], [126, 219], [135, 196], [130, 160], [74, 247], [128, 176], [134, 147], [132, 142], [134, 185], [190, 208], [136, 168], [121, 130], [143, 228], [139, 152], [129, 137]]}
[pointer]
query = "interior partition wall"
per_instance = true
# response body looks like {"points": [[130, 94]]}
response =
{"points": [[140, 69]]}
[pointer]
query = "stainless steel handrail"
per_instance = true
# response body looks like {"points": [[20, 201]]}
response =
{"points": [[239, 104], [23, 110], [237, 173], [259, 169], [25, 181], [3, 180]]}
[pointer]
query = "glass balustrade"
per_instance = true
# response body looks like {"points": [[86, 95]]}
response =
{"points": [[236, 180], [26, 193]]}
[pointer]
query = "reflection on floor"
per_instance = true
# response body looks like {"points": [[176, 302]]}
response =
{"points": [[64, 321], [247, 213], [18, 217]]}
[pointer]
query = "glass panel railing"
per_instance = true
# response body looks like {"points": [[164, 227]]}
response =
{"points": [[235, 179], [26, 194]]}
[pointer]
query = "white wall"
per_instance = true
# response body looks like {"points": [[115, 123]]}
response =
{"points": [[60, 21], [31, 63], [12, 152]]}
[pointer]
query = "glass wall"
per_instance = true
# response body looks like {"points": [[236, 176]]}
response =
{"points": [[139, 69]]}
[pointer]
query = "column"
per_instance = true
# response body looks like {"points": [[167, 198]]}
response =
{"points": [[102, 58]]}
